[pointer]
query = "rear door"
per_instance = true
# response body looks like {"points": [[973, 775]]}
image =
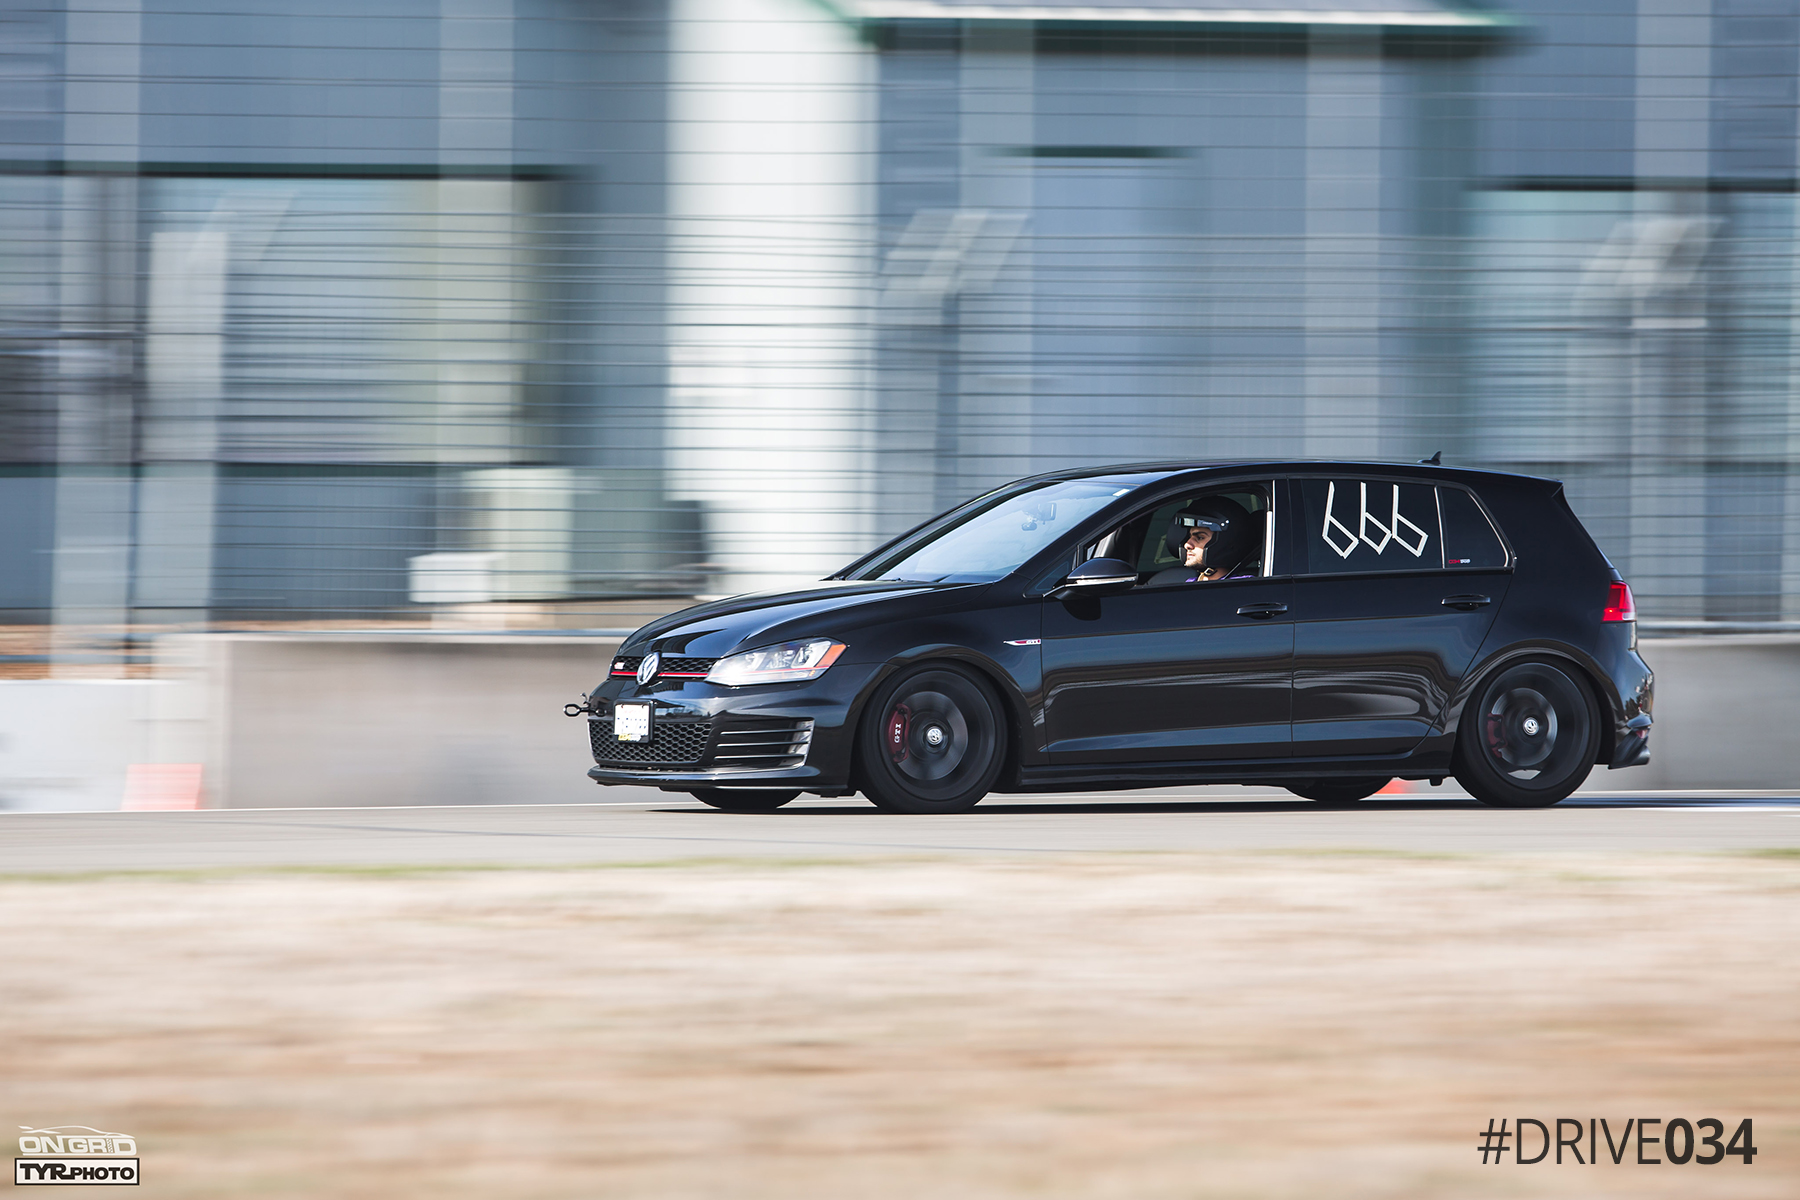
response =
{"points": [[1400, 580]]}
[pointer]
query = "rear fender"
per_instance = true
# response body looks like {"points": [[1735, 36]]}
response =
{"points": [[1612, 713]]}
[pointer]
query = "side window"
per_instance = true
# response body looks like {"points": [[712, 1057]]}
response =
{"points": [[1469, 538], [1142, 541], [1154, 554], [1369, 525]]}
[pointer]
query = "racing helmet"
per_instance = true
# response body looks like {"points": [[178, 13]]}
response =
{"points": [[1233, 528]]}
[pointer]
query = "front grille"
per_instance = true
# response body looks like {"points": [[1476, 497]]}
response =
{"points": [[671, 744], [763, 744], [627, 664]]}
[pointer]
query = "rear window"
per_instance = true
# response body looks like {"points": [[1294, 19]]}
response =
{"points": [[1359, 525], [1469, 537]]}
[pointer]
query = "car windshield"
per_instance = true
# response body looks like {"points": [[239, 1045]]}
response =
{"points": [[994, 535]]}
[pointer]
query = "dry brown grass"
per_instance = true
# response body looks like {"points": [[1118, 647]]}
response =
{"points": [[1130, 1026]]}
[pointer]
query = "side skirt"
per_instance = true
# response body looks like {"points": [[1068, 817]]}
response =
{"points": [[1428, 761]]}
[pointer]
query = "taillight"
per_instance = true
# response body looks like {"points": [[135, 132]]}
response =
{"points": [[1619, 604]]}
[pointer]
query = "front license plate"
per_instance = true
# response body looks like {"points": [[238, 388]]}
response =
{"points": [[631, 722]]}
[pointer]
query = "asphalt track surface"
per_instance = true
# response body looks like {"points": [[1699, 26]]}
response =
{"points": [[639, 826]]}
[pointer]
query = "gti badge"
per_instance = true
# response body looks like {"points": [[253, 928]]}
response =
{"points": [[648, 668], [1026, 642]]}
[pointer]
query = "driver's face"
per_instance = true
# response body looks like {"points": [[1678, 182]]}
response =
{"points": [[1196, 545]]}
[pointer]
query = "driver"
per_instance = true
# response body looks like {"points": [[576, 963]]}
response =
{"points": [[1214, 537]]}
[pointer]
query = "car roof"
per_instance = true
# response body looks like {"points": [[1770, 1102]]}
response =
{"points": [[1170, 469]]}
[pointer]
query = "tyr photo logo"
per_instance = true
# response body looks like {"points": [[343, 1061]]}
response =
{"points": [[75, 1155]]}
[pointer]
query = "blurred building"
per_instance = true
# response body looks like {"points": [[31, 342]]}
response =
{"points": [[353, 309]]}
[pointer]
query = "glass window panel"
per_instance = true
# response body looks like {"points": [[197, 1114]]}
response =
{"points": [[1469, 539], [1357, 525]]}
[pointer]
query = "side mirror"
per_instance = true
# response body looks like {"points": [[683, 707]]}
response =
{"points": [[1099, 577]]}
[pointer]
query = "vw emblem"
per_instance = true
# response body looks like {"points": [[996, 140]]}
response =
{"points": [[648, 668]]}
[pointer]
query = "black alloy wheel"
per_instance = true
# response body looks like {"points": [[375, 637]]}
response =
{"points": [[744, 799], [1338, 791], [1528, 737], [932, 741]]}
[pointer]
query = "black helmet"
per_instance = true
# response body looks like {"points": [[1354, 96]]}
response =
{"points": [[1233, 529]]}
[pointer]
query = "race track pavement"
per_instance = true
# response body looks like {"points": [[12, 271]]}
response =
{"points": [[643, 826]]}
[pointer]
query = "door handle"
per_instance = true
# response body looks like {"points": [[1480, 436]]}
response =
{"points": [[1467, 603], [1261, 612]]}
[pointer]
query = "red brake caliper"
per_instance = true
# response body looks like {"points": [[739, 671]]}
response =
{"points": [[1496, 734], [899, 724]]}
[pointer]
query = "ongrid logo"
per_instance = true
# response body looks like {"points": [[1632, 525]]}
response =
{"points": [[75, 1156]]}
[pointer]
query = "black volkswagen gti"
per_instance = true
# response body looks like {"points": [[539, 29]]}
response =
{"points": [[1325, 627]]}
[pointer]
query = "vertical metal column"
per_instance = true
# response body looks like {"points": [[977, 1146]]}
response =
{"points": [[98, 317], [1343, 243]]}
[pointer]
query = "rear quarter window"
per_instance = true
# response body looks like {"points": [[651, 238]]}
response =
{"points": [[1469, 537]]}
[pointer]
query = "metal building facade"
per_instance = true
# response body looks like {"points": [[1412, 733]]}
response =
{"points": [[356, 312]]}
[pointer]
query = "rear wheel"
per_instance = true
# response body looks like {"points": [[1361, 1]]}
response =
{"points": [[1528, 737], [932, 741], [744, 799], [1338, 791]]}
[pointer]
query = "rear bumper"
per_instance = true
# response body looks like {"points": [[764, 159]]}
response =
{"points": [[1632, 749], [1633, 685]]}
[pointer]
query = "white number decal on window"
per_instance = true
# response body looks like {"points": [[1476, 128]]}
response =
{"points": [[1360, 535]]}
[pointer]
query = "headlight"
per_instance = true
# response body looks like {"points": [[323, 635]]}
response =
{"points": [[776, 664]]}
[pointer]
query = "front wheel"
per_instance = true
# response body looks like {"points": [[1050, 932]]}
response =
{"points": [[932, 741], [744, 799], [1528, 737]]}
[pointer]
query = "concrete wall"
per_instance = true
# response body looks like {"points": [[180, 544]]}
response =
{"points": [[320, 720], [303, 721], [1725, 709]]}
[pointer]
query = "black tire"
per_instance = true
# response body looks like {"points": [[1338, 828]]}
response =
{"points": [[1528, 736], [744, 799], [931, 741], [1338, 791]]}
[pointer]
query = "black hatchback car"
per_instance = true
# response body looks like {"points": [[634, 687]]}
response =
{"points": [[1326, 627]]}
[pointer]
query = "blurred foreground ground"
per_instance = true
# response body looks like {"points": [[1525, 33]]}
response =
{"points": [[1137, 1025]]}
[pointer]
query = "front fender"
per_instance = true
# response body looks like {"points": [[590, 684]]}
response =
{"points": [[1015, 675]]}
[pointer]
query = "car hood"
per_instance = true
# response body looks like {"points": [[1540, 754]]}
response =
{"points": [[718, 627]]}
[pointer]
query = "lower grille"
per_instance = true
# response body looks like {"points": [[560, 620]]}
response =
{"points": [[763, 744], [743, 744], [671, 744]]}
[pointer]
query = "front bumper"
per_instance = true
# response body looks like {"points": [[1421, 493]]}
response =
{"points": [[703, 735], [805, 778]]}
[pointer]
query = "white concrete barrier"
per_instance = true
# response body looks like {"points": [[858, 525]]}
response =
{"points": [[321, 720], [1726, 710], [69, 744]]}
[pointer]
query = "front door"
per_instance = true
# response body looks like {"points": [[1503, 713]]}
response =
{"points": [[1179, 672], [1170, 674]]}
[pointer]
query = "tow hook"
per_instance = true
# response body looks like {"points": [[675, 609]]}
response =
{"points": [[578, 710]]}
